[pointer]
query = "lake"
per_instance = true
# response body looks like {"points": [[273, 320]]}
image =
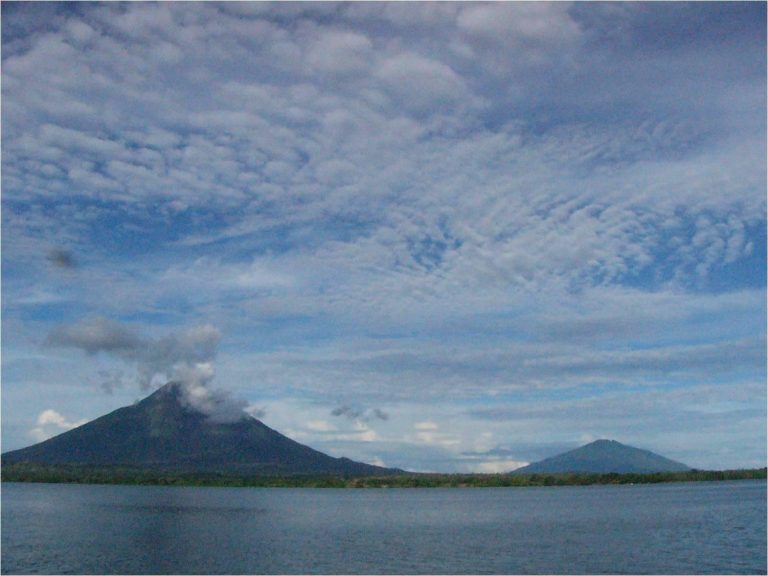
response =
{"points": [[691, 528]]}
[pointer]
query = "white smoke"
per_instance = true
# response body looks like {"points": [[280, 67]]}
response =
{"points": [[217, 404], [186, 358]]}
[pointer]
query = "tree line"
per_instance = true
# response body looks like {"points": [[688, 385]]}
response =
{"points": [[82, 474]]}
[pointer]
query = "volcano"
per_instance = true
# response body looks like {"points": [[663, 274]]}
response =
{"points": [[162, 432], [602, 457]]}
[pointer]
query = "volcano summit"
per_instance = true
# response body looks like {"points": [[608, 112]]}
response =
{"points": [[163, 432]]}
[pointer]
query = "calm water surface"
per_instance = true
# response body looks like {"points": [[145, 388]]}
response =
{"points": [[691, 528]]}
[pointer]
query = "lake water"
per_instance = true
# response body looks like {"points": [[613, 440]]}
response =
{"points": [[691, 528]]}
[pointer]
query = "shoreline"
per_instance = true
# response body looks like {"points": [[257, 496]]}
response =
{"points": [[72, 474]]}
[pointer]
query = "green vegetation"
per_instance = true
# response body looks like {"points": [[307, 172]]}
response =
{"points": [[29, 472]]}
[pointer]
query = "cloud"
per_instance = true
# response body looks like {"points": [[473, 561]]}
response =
{"points": [[513, 24], [256, 411], [421, 84], [50, 423], [661, 417], [111, 380], [364, 415], [320, 426], [347, 411], [377, 461], [519, 354], [98, 335], [210, 274], [311, 150], [425, 425], [323, 432], [380, 414], [427, 432], [497, 466], [340, 52]]}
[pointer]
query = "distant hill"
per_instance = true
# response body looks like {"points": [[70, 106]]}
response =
{"points": [[604, 456], [162, 432]]}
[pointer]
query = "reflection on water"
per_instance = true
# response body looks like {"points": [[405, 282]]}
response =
{"points": [[673, 528]]}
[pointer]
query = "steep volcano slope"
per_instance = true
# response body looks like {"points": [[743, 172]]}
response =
{"points": [[604, 456], [162, 432]]}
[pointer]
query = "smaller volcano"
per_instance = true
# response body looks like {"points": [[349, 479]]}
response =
{"points": [[602, 457], [164, 432]]}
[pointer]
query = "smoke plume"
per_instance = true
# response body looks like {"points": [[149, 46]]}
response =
{"points": [[186, 358]]}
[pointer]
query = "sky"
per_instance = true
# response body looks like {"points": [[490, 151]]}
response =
{"points": [[435, 236]]}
